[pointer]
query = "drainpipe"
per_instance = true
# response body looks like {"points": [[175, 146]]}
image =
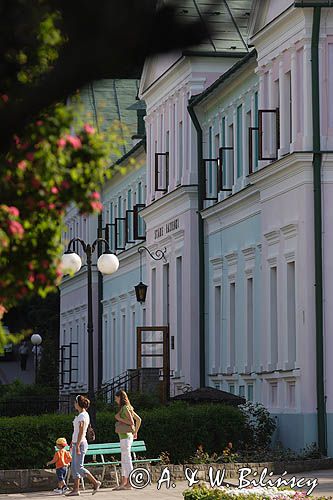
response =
{"points": [[318, 237], [201, 191]]}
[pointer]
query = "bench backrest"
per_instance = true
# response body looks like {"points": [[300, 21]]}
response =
{"points": [[112, 448]]}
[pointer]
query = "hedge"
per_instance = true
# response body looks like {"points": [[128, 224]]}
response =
{"points": [[28, 442]]}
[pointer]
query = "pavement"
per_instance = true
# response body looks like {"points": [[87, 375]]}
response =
{"points": [[151, 492]]}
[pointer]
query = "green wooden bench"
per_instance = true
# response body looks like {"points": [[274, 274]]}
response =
{"points": [[104, 450]]}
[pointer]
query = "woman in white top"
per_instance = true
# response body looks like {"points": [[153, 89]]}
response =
{"points": [[79, 446]]}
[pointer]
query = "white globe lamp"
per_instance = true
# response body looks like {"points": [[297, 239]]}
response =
{"points": [[70, 263], [36, 339], [108, 263]]}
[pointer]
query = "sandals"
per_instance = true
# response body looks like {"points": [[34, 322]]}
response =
{"points": [[97, 487]]}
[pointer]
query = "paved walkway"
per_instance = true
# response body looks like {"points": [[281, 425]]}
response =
{"points": [[324, 488]]}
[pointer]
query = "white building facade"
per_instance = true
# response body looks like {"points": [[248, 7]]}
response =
{"points": [[227, 180]]}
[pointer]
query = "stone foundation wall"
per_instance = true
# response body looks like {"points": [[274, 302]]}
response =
{"points": [[18, 481]]}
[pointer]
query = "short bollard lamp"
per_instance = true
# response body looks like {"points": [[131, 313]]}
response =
{"points": [[141, 288]]}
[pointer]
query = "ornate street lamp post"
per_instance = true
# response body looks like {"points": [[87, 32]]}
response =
{"points": [[141, 288], [107, 263]]}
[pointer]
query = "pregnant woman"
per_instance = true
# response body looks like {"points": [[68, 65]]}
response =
{"points": [[127, 426], [79, 446]]}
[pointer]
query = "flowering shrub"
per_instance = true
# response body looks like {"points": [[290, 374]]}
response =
{"points": [[257, 493], [260, 424], [202, 457], [45, 168]]}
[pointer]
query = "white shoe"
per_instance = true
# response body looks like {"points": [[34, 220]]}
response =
{"points": [[58, 491]]}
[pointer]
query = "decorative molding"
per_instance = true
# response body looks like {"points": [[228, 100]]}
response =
{"points": [[249, 253], [216, 262], [272, 261], [249, 272], [290, 230], [290, 256], [123, 296], [114, 300], [231, 258], [272, 237]]}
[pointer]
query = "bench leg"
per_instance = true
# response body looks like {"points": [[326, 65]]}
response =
{"points": [[82, 483], [116, 473]]}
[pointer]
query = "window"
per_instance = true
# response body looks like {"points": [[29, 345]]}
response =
{"points": [[166, 298], [255, 145], [153, 295], [223, 144], [232, 388], [239, 140], [180, 151], [241, 391], [288, 107], [211, 165], [116, 370], [120, 226], [231, 156], [232, 320], [273, 394], [291, 312], [123, 341], [179, 284], [250, 392], [218, 325], [217, 386], [291, 394], [249, 318], [273, 316]]}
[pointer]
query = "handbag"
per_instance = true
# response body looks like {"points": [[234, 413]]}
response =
{"points": [[91, 436], [122, 428]]}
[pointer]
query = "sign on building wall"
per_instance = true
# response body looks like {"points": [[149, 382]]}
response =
{"points": [[167, 228]]}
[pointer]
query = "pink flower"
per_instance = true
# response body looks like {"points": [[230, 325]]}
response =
{"points": [[65, 184], [31, 278], [52, 206], [30, 266], [61, 143], [13, 211], [5, 97], [74, 141], [96, 205], [39, 123], [30, 156], [17, 140], [45, 264], [3, 310], [42, 278], [15, 228], [95, 196], [88, 129], [54, 190], [22, 165]]}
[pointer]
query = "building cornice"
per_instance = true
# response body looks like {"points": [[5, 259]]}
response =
{"points": [[173, 197]]}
